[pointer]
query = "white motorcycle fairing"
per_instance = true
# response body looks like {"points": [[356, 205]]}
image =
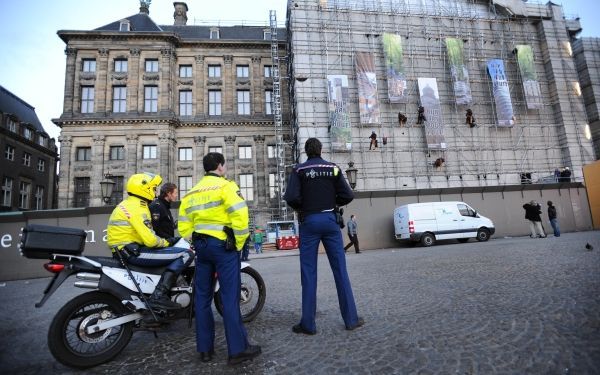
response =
{"points": [[146, 281]]}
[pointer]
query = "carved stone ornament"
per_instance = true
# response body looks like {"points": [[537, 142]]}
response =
{"points": [[268, 82], [87, 76], [65, 140], [187, 82], [199, 140], [82, 168], [119, 76], [229, 139], [103, 51], [228, 59], [167, 52], [165, 137], [259, 138], [132, 138], [184, 168], [243, 82], [151, 77], [214, 82], [98, 139], [69, 51], [256, 59], [150, 165], [134, 52], [199, 59], [116, 166]]}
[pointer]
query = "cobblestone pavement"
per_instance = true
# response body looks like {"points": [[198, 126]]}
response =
{"points": [[508, 306]]}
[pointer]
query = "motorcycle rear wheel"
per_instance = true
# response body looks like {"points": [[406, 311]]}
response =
{"points": [[68, 340], [252, 296]]}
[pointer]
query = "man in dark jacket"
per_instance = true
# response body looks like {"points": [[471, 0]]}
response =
{"points": [[533, 210], [314, 189], [160, 208], [553, 219]]}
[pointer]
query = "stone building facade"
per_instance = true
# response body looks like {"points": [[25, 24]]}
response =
{"points": [[143, 97], [29, 157]]}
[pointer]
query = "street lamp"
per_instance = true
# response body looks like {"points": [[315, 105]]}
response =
{"points": [[351, 173], [106, 186]]}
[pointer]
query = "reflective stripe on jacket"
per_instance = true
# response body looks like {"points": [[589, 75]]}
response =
{"points": [[210, 206], [130, 222]]}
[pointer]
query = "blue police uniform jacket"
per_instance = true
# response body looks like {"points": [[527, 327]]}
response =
{"points": [[316, 186]]}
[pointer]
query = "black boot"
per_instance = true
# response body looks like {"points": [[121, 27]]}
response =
{"points": [[160, 298]]}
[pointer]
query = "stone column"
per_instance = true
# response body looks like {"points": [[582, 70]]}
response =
{"points": [[65, 185], [258, 96], [262, 182], [199, 143], [228, 94], [199, 92], [69, 81], [97, 170], [133, 81], [165, 94], [230, 156], [101, 82], [166, 152], [132, 154]]}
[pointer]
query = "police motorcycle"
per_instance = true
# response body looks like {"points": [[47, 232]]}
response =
{"points": [[94, 327]]}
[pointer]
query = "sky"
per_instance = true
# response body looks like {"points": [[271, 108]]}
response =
{"points": [[33, 62]]}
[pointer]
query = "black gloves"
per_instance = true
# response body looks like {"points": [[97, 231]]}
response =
{"points": [[173, 240]]}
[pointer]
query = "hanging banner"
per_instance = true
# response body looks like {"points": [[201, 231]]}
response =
{"points": [[368, 104], [430, 100], [531, 85], [339, 118], [504, 109], [458, 70], [394, 67]]}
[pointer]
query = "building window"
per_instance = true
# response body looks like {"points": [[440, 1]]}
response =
{"points": [[11, 125], [218, 149], [9, 153], [271, 150], [185, 71], [185, 153], [214, 103], [124, 26], [151, 66], [26, 159], [82, 192], [117, 152], [42, 141], [214, 34], [7, 185], [87, 99], [267, 35], [185, 185], [272, 185], [149, 152], [247, 187], [268, 71], [185, 103], [243, 71], [41, 165], [214, 71], [39, 197], [119, 99], [150, 99], [245, 152], [120, 66], [28, 133], [243, 98], [89, 65], [117, 194], [269, 102], [24, 192], [84, 153]]}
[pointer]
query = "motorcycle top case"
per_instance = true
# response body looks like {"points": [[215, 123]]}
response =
{"points": [[40, 241]]}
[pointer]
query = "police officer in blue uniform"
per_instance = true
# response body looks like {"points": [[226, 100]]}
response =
{"points": [[314, 189]]}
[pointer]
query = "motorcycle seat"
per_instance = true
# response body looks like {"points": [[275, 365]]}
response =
{"points": [[112, 262]]}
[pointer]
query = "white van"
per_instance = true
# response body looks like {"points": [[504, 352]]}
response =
{"points": [[428, 222]]}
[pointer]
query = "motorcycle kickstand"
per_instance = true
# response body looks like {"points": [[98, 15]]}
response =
{"points": [[137, 286]]}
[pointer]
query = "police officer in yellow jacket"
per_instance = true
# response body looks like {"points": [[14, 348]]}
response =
{"points": [[130, 231], [210, 209]]}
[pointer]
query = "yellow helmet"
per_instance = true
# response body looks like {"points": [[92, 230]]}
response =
{"points": [[143, 185]]}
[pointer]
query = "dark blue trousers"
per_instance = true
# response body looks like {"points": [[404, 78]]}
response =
{"points": [[314, 229], [177, 259], [212, 257]]}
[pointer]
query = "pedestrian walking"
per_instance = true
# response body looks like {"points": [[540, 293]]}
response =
{"points": [[353, 234], [215, 215], [553, 219], [533, 211], [258, 240], [314, 189]]}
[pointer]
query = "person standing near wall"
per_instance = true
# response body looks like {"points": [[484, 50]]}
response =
{"points": [[258, 240], [353, 234], [533, 211], [553, 219]]}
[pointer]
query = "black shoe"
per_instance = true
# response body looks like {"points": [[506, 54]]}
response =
{"points": [[359, 323], [159, 300], [207, 356], [358, 252], [251, 352], [299, 329]]}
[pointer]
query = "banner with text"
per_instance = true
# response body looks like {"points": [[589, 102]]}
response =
{"points": [[531, 85], [339, 118], [394, 67], [368, 104], [430, 100], [458, 70], [504, 109]]}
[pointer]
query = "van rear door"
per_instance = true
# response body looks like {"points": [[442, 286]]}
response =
{"points": [[401, 222]]}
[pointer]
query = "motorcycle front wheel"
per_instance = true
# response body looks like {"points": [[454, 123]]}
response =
{"points": [[252, 295], [69, 341]]}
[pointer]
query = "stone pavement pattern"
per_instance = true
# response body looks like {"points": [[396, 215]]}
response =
{"points": [[508, 306]]}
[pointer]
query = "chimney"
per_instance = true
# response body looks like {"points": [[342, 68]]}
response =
{"points": [[180, 14], [145, 6]]}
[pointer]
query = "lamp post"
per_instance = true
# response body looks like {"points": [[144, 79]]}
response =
{"points": [[106, 186], [351, 173]]}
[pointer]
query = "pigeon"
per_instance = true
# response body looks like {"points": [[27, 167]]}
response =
{"points": [[589, 247]]}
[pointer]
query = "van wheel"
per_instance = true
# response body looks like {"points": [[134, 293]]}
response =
{"points": [[462, 240], [483, 235], [427, 239]]}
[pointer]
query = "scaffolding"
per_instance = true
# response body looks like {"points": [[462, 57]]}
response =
{"points": [[327, 34]]}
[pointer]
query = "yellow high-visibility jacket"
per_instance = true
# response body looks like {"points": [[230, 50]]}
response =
{"points": [[131, 222], [212, 204]]}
